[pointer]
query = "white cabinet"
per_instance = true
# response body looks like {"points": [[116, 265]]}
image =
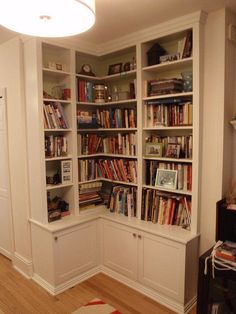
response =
{"points": [[61, 257], [119, 245], [75, 251], [161, 264]]}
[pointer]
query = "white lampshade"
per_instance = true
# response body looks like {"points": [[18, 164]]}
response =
{"points": [[48, 18]]}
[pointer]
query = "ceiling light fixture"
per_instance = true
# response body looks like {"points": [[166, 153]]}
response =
{"points": [[48, 18]]}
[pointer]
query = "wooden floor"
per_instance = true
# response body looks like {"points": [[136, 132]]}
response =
{"points": [[19, 295]]}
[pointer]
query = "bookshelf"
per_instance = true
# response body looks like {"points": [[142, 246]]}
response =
{"points": [[118, 129], [171, 122], [107, 126]]}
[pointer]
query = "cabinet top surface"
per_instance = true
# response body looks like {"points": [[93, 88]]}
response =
{"points": [[173, 233]]}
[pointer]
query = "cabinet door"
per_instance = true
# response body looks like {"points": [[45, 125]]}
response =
{"points": [[75, 251], [161, 265], [120, 249]]}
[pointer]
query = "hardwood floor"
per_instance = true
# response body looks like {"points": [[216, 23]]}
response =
{"points": [[19, 295]]}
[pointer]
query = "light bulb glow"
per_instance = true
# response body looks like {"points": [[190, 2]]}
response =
{"points": [[48, 18]]}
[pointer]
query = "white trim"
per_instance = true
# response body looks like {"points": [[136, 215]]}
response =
{"points": [[66, 285], [131, 39], [22, 265]]}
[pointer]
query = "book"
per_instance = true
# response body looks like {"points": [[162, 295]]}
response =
{"points": [[227, 251]]}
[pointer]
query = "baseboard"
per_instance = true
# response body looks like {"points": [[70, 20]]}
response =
{"points": [[22, 265], [54, 290], [6, 253], [152, 294]]}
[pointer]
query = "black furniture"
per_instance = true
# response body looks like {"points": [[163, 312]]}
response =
{"points": [[215, 295], [218, 295]]}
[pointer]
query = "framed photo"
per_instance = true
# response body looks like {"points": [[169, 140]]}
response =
{"points": [[66, 171], [173, 150], [114, 68], [154, 149], [166, 178]]}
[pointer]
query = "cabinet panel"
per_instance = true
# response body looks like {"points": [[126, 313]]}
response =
{"points": [[75, 251], [120, 249], [161, 265]]}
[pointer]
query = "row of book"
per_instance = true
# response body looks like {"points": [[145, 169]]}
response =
{"points": [[85, 91], [112, 118], [117, 118], [55, 146], [112, 169], [54, 116], [90, 193], [124, 144], [123, 200], [185, 143], [165, 209], [168, 115], [185, 45], [184, 174]]}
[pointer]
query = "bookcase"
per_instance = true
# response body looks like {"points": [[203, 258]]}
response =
{"points": [[107, 129], [115, 138], [170, 129]]}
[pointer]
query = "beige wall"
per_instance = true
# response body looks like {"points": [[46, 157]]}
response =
{"points": [[11, 77], [217, 136]]}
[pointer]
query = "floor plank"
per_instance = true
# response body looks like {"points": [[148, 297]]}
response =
{"points": [[19, 295]]}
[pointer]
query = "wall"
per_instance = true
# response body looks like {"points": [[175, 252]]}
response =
{"points": [[229, 174], [217, 135], [11, 77]]}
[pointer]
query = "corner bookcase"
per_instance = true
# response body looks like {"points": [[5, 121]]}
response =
{"points": [[115, 139]]}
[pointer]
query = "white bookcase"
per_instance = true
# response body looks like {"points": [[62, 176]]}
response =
{"points": [[52, 73]]}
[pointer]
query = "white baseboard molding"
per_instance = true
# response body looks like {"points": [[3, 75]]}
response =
{"points": [[6, 253], [22, 265], [154, 295], [54, 290]]}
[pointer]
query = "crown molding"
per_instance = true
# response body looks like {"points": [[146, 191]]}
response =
{"points": [[150, 33], [146, 34]]}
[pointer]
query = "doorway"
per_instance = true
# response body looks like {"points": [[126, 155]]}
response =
{"points": [[6, 230]]}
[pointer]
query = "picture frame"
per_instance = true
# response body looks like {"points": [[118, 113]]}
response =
{"points": [[66, 171], [166, 178], [154, 149], [114, 68], [173, 151]]}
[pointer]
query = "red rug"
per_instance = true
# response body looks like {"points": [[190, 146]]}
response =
{"points": [[96, 306]]}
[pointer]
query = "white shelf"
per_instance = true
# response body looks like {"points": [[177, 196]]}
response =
{"points": [[109, 180], [172, 191], [166, 66], [57, 186], [176, 95], [106, 155], [107, 104], [62, 101], [55, 72], [177, 160], [58, 158], [57, 130], [108, 130], [105, 78], [158, 128]]}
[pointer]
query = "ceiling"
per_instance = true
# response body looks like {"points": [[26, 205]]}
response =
{"points": [[116, 18]]}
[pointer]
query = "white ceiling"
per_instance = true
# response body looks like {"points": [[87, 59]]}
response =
{"points": [[116, 18]]}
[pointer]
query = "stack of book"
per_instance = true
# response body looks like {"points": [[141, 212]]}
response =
{"points": [[165, 86], [226, 251]]}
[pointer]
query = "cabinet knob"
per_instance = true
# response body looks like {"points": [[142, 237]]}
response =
{"points": [[134, 235], [55, 238], [139, 236]]}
